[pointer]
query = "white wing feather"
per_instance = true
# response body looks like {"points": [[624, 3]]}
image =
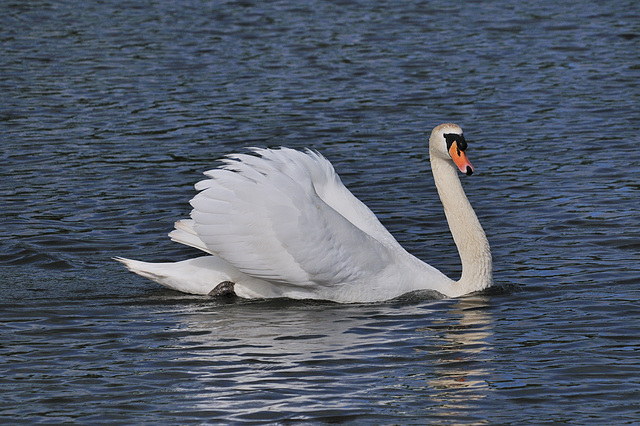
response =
{"points": [[185, 234]]}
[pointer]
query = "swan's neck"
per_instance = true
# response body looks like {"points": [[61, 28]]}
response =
{"points": [[467, 232]]}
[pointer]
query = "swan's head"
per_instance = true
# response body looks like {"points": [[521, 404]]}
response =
{"points": [[447, 142]]}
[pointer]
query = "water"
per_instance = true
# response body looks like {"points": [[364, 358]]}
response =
{"points": [[111, 111]]}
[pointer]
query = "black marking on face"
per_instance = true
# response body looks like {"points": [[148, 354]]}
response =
{"points": [[454, 137]]}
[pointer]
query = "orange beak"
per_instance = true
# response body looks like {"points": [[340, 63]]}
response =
{"points": [[461, 160]]}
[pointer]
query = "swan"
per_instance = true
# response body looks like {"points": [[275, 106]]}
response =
{"points": [[280, 223]]}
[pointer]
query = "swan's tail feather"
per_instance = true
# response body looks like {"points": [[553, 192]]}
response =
{"points": [[145, 269], [187, 276]]}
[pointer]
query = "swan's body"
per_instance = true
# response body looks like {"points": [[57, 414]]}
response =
{"points": [[282, 224]]}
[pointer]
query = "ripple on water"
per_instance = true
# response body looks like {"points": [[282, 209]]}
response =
{"points": [[111, 112]]}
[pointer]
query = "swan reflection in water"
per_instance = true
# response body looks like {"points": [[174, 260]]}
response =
{"points": [[297, 358], [461, 373]]}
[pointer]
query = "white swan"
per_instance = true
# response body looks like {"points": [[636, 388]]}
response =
{"points": [[282, 224]]}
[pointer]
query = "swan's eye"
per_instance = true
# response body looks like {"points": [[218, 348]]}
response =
{"points": [[462, 144]]}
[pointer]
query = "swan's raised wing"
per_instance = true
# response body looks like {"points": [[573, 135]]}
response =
{"points": [[330, 189], [264, 215]]}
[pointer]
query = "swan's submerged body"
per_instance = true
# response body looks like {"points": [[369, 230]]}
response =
{"points": [[282, 224]]}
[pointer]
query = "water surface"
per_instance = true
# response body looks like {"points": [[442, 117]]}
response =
{"points": [[110, 112]]}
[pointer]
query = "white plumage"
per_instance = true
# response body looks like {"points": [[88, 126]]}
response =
{"points": [[280, 223]]}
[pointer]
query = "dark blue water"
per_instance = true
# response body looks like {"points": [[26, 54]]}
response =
{"points": [[110, 111]]}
